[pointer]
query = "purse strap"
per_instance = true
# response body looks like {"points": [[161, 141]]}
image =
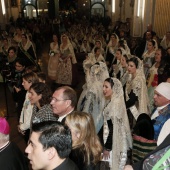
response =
{"points": [[158, 164]]}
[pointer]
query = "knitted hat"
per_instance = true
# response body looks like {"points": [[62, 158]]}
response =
{"points": [[164, 89], [4, 126]]}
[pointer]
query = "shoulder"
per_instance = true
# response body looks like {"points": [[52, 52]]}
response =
{"points": [[67, 164]]}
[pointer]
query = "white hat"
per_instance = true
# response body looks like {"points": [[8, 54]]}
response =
{"points": [[164, 89]]}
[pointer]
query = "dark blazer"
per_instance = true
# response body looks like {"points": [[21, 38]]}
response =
{"points": [[67, 165], [164, 144]]}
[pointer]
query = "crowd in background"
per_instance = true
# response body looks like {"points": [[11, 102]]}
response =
{"points": [[124, 80]]}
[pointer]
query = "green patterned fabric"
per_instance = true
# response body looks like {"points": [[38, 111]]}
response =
{"points": [[141, 147]]}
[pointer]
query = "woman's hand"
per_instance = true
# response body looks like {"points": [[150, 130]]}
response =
{"points": [[20, 131], [17, 89], [106, 154]]}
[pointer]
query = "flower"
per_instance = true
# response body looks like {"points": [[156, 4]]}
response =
{"points": [[155, 81]]}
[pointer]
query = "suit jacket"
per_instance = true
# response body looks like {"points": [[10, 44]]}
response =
{"points": [[68, 164], [164, 144]]}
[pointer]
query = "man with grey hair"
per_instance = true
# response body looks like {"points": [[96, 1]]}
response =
{"points": [[10, 155], [63, 102]]}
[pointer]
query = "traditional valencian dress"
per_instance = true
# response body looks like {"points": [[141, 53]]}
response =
{"points": [[136, 94], [27, 52], [91, 99], [53, 61], [66, 65], [115, 114]]}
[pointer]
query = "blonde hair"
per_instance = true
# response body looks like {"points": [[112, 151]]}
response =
{"points": [[88, 141]]}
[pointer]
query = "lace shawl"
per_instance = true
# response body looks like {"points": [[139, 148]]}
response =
{"points": [[124, 77], [54, 47], [92, 93], [87, 64], [138, 85], [122, 140], [70, 47]]}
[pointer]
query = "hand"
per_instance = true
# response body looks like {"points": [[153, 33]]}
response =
{"points": [[106, 154], [128, 167], [17, 89], [20, 131]]}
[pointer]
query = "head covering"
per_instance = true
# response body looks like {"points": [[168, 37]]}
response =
{"points": [[4, 126], [164, 89]]}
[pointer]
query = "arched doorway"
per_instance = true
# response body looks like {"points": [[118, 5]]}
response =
{"points": [[98, 9], [29, 11]]}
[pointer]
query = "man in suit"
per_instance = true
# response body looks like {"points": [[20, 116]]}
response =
{"points": [[49, 147], [63, 102]]}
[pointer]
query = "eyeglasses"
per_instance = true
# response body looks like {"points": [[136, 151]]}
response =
{"points": [[57, 100]]}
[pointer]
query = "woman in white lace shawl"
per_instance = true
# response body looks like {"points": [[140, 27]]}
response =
{"points": [[99, 44], [66, 61], [116, 136], [91, 98], [53, 60], [136, 95], [111, 49]]}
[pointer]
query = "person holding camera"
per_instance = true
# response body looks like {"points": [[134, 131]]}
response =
{"points": [[14, 81]]}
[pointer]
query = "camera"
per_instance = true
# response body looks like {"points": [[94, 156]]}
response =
{"points": [[13, 82]]}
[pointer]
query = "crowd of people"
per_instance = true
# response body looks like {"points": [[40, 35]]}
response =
{"points": [[125, 98]]}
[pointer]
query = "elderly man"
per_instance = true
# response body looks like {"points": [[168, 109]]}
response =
{"points": [[63, 102], [10, 155], [49, 147]]}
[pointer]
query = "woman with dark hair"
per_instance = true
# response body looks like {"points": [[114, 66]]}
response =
{"points": [[154, 72], [12, 56], [5, 46], [24, 122], [40, 97], [164, 68], [67, 68], [115, 134], [98, 44], [116, 68], [136, 97], [124, 75], [54, 56], [111, 49], [26, 50], [148, 56]]}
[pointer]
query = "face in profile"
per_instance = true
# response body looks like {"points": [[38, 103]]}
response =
{"points": [[37, 155], [26, 84], [118, 55], [34, 97], [107, 89], [158, 56], [160, 100], [59, 103], [123, 62]]}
